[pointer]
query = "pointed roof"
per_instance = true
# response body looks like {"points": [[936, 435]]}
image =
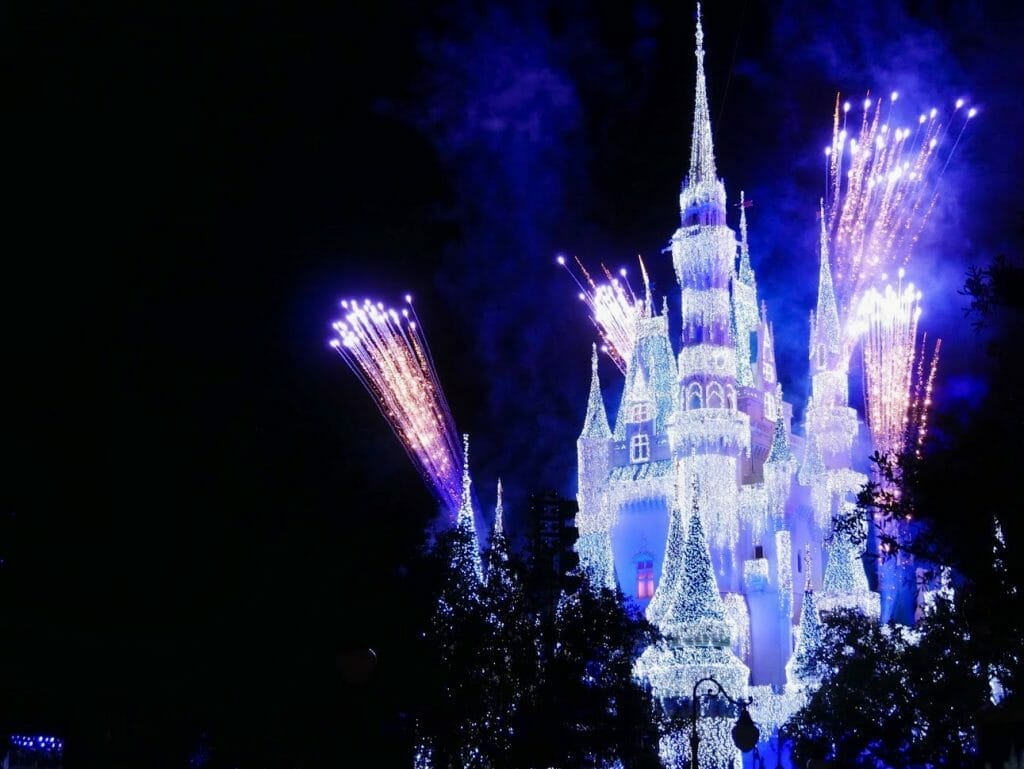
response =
{"points": [[595, 425], [745, 272], [825, 329], [702, 150], [641, 390], [780, 451], [844, 573], [497, 555], [465, 519], [697, 598], [499, 527], [800, 669], [699, 583], [814, 464]]}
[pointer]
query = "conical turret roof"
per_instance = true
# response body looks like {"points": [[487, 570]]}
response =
{"points": [[595, 425]]}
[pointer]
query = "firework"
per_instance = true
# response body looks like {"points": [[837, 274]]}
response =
{"points": [[388, 352], [614, 309], [881, 187], [898, 379]]}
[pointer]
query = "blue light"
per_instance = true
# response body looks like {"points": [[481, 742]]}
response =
{"points": [[38, 743]]}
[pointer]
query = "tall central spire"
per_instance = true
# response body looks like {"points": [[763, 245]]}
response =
{"points": [[702, 150]]}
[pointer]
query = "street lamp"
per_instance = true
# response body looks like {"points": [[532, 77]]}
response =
{"points": [[744, 734]]}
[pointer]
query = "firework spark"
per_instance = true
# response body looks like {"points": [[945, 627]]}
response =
{"points": [[388, 352], [897, 379], [614, 309], [881, 187]]}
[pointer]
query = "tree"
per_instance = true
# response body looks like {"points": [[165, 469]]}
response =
{"points": [[509, 683], [891, 696], [926, 699]]}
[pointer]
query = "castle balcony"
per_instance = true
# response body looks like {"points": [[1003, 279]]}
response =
{"points": [[710, 431]]}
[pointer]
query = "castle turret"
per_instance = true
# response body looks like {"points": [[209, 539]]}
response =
{"points": [[800, 670], [592, 456], [778, 472], [697, 646], [829, 416]]}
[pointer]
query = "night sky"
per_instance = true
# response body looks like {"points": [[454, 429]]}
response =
{"points": [[204, 507]]}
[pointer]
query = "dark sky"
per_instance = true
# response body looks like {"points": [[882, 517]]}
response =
{"points": [[203, 504]]}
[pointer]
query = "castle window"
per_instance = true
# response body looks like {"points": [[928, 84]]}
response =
{"points": [[716, 399], [694, 396], [730, 397], [769, 407], [644, 576], [641, 412], [640, 448]]}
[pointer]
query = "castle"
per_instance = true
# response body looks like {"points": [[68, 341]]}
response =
{"points": [[700, 502]]}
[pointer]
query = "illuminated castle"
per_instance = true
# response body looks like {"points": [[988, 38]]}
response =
{"points": [[700, 502]]}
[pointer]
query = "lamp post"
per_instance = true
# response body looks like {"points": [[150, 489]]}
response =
{"points": [[744, 734]]}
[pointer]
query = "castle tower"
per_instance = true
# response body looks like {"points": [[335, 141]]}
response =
{"points": [[710, 432]]}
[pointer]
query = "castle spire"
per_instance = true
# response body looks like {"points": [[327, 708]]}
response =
{"points": [[702, 151], [499, 526], [465, 518], [746, 272], [825, 329], [596, 423]]}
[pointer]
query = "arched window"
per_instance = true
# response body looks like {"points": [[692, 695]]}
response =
{"points": [[730, 397], [716, 398], [821, 356], [694, 396], [640, 448], [644, 575], [641, 412]]}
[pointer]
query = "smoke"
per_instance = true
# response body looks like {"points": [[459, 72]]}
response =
{"points": [[563, 128], [931, 54], [507, 98]]}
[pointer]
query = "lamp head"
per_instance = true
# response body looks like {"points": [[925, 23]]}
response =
{"points": [[745, 734]]}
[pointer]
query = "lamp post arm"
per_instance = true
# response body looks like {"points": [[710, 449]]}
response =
{"points": [[694, 713]]}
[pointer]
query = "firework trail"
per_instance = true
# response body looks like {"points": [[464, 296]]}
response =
{"points": [[388, 352], [899, 374], [921, 393], [614, 309], [881, 187]]}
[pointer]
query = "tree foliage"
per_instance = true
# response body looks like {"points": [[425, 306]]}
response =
{"points": [[891, 696], [511, 683]]}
